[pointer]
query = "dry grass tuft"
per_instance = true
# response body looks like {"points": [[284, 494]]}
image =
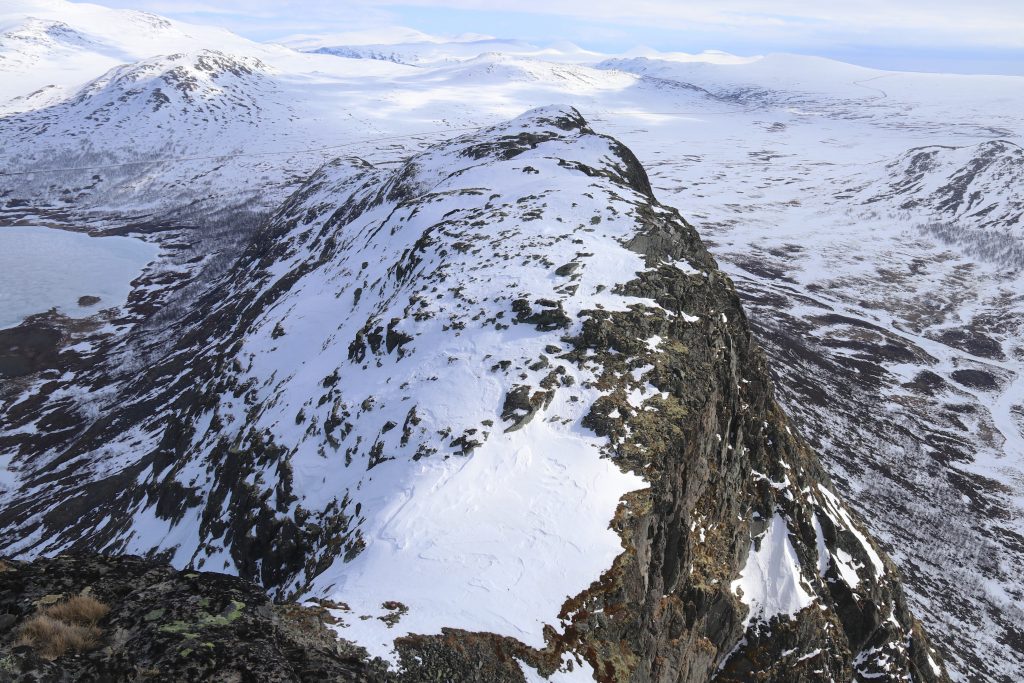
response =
{"points": [[83, 610], [68, 626]]}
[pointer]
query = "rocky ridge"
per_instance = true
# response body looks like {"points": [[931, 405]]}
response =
{"points": [[589, 309]]}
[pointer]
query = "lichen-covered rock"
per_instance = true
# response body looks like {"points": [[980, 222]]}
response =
{"points": [[169, 625]]}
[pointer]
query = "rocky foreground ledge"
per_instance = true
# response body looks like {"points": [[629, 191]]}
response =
{"points": [[159, 625]]}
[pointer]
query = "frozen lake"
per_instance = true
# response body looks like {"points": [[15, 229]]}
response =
{"points": [[41, 268]]}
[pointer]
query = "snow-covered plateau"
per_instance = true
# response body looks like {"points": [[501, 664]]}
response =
{"points": [[396, 348]]}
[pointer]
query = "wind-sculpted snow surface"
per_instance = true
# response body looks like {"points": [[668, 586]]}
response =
{"points": [[495, 410]]}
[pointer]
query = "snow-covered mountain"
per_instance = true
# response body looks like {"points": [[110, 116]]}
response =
{"points": [[55, 46], [977, 185], [870, 221], [145, 134], [434, 53], [499, 389]]}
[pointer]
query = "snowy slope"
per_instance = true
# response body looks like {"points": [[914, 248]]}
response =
{"points": [[791, 74], [111, 139], [435, 52], [980, 186], [940, 105]]}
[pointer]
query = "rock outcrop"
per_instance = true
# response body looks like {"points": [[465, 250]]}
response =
{"points": [[169, 625]]}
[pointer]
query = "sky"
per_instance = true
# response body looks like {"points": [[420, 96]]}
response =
{"points": [[981, 36]]}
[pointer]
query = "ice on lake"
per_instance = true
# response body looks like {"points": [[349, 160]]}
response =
{"points": [[43, 268]]}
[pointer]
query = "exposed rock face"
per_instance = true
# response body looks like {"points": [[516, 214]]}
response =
{"points": [[732, 487], [168, 625], [501, 299]]}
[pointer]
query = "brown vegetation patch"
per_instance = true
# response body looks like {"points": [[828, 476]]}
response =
{"points": [[67, 626]]}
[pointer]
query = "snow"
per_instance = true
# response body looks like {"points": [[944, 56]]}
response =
{"points": [[842, 518], [43, 268], [491, 544], [8, 476], [771, 583], [847, 568], [686, 268], [64, 44], [433, 51], [936, 669], [582, 671], [819, 541]]}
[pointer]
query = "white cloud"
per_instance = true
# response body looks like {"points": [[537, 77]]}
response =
{"points": [[780, 24], [991, 23]]}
